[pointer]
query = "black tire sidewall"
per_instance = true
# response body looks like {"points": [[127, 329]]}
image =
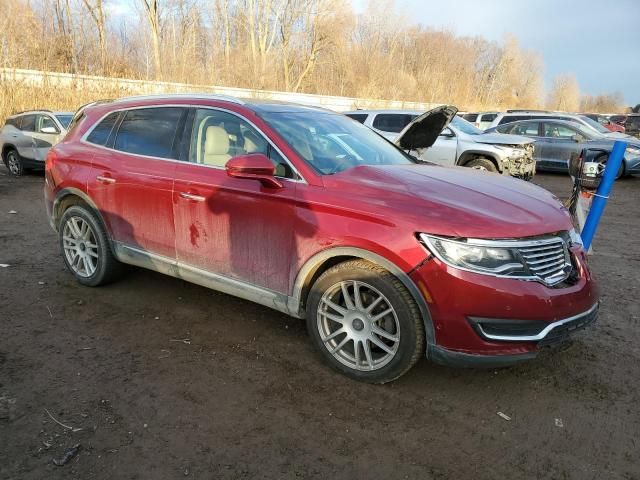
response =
{"points": [[100, 274], [485, 162], [405, 355]]}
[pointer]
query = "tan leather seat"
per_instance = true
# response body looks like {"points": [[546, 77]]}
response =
{"points": [[216, 147], [251, 143]]}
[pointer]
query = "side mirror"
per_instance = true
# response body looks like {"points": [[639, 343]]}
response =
{"points": [[48, 130], [254, 166], [446, 132]]}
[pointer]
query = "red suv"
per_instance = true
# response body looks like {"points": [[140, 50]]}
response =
{"points": [[313, 214]]}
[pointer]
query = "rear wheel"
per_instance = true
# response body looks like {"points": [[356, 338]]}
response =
{"points": [[364, 322], [482, 163], [14, 163], [85, 247]]}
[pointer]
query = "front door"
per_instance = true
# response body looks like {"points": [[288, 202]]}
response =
{"points": [[46, 135], [132, 179], [558, 144], [233, 227]]}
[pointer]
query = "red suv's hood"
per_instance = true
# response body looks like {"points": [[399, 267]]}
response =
{"points": [[453, 201]]}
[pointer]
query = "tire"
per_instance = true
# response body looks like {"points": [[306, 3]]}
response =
{"points": [[482, 163], [14, 163], [403, 337], [86, 248]]}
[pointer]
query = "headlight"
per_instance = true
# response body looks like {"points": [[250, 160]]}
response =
{"points": [[575, 237], [633, 152], [477, 258]]}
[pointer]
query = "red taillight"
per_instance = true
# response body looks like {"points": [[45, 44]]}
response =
{"points": [[50, 160]]}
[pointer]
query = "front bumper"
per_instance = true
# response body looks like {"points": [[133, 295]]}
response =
{"points": [[484, 320]]}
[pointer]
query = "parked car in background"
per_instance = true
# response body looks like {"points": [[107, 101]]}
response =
{"points": [[310, 213], [605, 122], [26, 137], [516, 115], [446, 139], [557, 140], [630, 121], [480, 120]]}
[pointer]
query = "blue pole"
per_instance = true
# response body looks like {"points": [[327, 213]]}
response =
{"points": [[602, 194]]}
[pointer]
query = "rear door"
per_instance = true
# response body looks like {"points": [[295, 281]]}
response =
{"points": [[133, 173], [22, 139], [233, 227]]}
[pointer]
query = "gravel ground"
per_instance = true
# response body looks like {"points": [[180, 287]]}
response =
{"points": [[170, 380]]}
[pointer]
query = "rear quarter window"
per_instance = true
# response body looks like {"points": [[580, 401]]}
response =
{"points": [[14, 122], [358, 117], [101, 132]]}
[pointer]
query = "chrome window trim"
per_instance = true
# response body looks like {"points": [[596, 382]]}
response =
{"points": [[545, 331], [84, 140], [548, 281]]}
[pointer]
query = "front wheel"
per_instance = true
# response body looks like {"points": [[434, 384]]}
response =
{"points": [[364, 322], [482, 163], [14, 163]]}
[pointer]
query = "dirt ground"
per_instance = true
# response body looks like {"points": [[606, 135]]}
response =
{"points": [[170, 380]]}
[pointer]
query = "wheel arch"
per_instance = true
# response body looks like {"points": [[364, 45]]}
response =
{"points": [[320, 262], [5, 149], [469, 155], [70, 196]]}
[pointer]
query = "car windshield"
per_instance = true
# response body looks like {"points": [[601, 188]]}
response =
{"points": [[465, 127], [333, 143], [593, 124], [64, 120]]}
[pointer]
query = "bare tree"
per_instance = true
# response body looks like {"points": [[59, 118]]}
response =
{"points": [[152, 10], [96, 11], [564, 94]]}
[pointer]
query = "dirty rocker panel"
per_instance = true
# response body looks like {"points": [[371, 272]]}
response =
{"points": [[231, 286]]}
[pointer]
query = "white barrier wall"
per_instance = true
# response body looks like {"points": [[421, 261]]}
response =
{"points": [[143, 87]]}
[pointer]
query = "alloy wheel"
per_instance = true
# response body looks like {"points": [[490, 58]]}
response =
{"points": [[358, 325], [13, 163], [80, 246]]}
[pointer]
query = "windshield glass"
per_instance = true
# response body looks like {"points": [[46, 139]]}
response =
{"points": [[593, 124], [64, 120], [333, 143], [465, 127]]}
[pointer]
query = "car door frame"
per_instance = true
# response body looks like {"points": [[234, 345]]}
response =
{"points": [[42, 142], [206, 274]]}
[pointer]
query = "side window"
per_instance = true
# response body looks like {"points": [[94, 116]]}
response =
{"points": [[470, 117], [14, 122], [555, 130], [529, 129], [358, 117], [217, 136], [149, 131], [45, 121], [489, 117], [28, 123], [392, 122], [100, 133]]}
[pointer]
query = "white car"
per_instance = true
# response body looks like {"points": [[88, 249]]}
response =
{"points": [[439, 136], [26, 137]]}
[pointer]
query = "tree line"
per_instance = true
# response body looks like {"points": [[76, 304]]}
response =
{"points": [[314, 46]]}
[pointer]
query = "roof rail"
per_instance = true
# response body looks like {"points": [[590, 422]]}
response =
{"points": [[208, 96], [36, 110], [526, 110]]}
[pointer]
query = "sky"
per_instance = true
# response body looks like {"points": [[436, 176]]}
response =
{"points": [[597, 40]]}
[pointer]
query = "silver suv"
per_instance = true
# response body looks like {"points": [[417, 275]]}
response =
{"points": [[439, 136], [26, 137]]}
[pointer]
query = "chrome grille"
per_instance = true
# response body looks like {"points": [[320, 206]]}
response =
{"points": [[547, 259]]}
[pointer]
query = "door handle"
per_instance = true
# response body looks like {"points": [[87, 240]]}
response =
{"points": [[107, 180], [190, 196]]}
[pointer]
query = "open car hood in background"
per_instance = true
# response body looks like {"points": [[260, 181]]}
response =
{"points": [[424, 130]]}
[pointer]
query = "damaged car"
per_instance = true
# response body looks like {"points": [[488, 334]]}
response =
{"points": [[439, 136]]}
